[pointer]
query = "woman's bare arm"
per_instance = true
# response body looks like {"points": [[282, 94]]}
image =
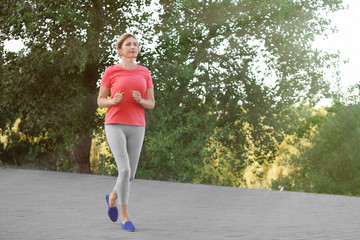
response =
{"points": [[149, 101], [103, 100]]}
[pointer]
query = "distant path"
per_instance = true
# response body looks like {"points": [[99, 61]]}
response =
{"points": [[53, 205]]}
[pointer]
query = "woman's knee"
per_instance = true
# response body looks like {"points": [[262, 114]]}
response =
{"points": [[125, 173]]}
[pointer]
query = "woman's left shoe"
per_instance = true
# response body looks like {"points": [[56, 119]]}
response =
{"points": [[128, 226], [112, 211]]}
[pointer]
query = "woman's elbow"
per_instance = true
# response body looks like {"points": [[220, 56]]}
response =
{"points": [[99, 102], [150, 106]]}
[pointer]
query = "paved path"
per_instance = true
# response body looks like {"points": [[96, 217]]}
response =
{"points": [[53, 205]]}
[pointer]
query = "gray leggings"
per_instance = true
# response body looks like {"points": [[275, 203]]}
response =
{"points": [[125, 142]]}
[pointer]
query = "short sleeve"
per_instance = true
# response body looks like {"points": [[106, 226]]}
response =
{"points": [[149, 82], [106, 80]]}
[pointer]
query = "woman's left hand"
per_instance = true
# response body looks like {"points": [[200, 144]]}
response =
{"points": [[137, 96]]}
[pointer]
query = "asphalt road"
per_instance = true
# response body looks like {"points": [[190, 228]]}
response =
{"points": [[54, 205]]}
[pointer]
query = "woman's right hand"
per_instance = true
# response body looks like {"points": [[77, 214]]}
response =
{"points": [[117, 98]]}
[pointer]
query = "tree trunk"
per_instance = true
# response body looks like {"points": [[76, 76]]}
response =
{"points": [[83, 146], [90, 77], [82, 155]]}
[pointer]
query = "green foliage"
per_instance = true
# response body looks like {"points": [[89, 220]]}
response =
{"points": [[206, 61], [215, 111], [221, 166], [172, 152], [106, 165], [19, 151], [51, 85], [332, 163]]}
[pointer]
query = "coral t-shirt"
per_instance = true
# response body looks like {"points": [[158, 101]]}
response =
{"points": [[120, 80]]}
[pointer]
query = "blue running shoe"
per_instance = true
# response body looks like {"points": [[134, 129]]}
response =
{"points": [[112, 211]]}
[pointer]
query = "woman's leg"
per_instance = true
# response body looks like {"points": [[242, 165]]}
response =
{"points": [[125, 142], [135, 138], [117, 141]]}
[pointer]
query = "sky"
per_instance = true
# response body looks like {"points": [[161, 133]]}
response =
{"points": [[346, 41]]}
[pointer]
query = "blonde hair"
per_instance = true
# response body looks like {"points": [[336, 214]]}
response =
{"points": [[122, 39]]}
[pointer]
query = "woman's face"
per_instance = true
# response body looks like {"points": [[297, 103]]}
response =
{"points": [[129, 48]]}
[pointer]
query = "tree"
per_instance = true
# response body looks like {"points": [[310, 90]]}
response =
{"points": [[206, 64], [208, 60], [332, 163], [51, 85]]}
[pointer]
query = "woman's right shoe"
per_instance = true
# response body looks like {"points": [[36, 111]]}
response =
{"points": [[112, 211]]}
